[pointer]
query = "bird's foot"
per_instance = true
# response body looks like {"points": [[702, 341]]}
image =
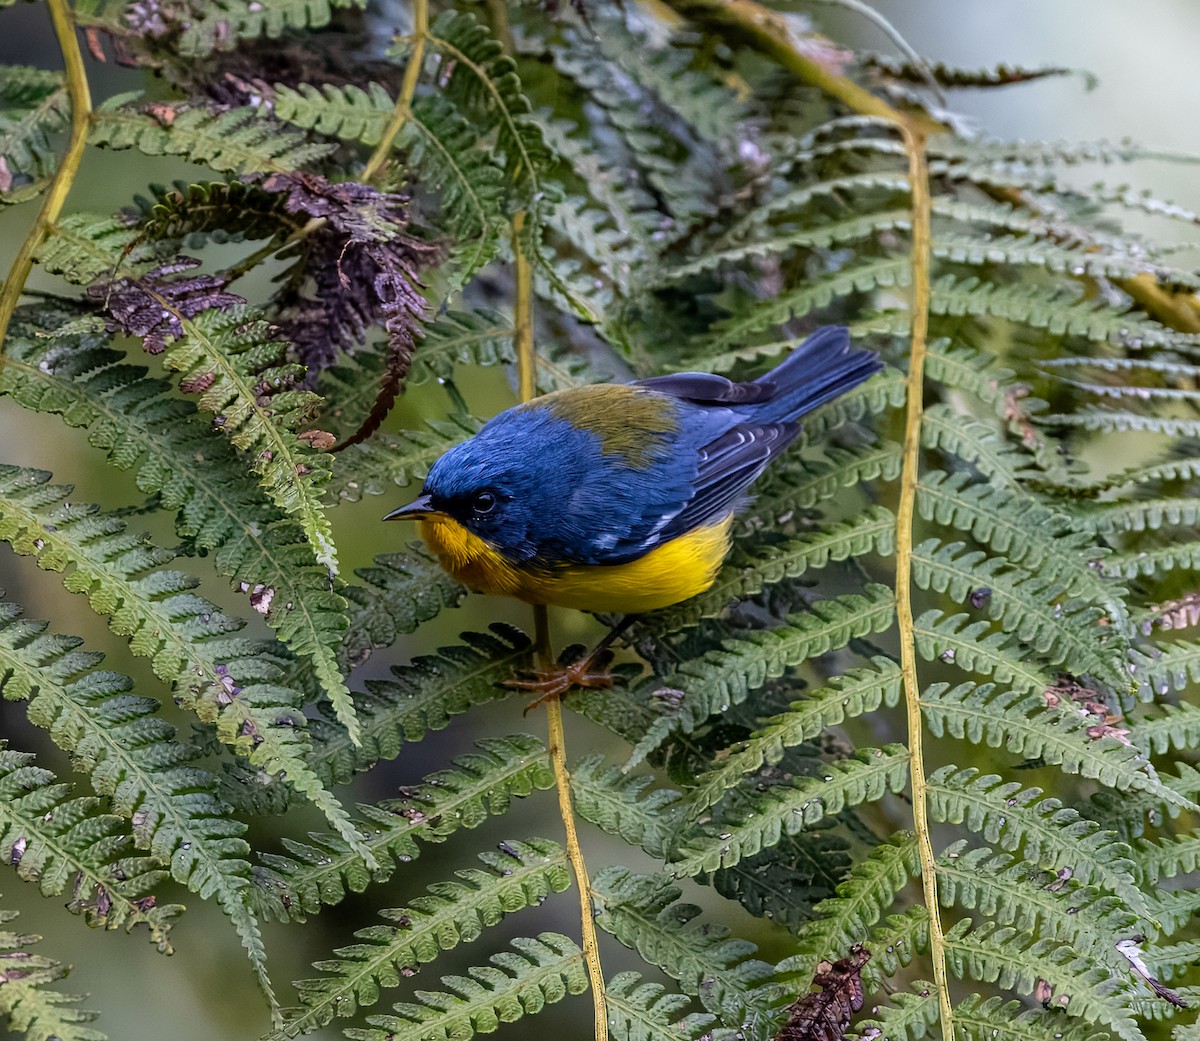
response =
{"points": [[590, 672]]}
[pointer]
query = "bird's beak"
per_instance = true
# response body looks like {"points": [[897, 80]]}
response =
{"points": [[420, 507]]}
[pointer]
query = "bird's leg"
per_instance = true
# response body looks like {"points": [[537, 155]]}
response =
{"points": [[590, 671]]}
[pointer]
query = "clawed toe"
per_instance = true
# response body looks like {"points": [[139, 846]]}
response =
{"points": [[590, 672]]}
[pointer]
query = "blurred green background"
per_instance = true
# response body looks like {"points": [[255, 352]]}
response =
{"points": [[1143, 55]]}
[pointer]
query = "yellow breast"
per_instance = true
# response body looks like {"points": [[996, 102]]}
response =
{"points": [[672, 572]]}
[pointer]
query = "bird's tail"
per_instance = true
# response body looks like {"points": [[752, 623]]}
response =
{"points": [[820, 369]]}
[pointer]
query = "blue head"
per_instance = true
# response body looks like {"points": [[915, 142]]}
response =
{"points": [[581, 476]]}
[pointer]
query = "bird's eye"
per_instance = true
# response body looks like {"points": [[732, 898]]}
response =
{"points": [[484, 502]]}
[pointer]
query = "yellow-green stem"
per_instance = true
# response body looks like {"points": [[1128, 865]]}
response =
{"points": [[766, 31], [918, 175], [408, 89], [60, 185], [527, 388]]}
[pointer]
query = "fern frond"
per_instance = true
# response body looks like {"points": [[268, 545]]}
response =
{"points": [[26, 1000], [453, 913], [388, 461], [910, 1016], [621, 805], [851, 694], [861, 277], [420, 697], [221, 25], [1016, 961], [978, 444], [973, 647], [347, 112], [1028, 604], [1050, 834], [540, 972], [649, 1012], [237, 141], [1168, 666], [1178, 726], [322, 870], [863, 899], [1009, 892], [61, 842], [1120, 421], [33, 106], [786, 809], [1026, 532], [978, 1016], [220, 508], [1058, 310], [226, 679], [643, 913], [726, 677], [1025, 725], [83, 247], [483, 82], [399, 592], [788, 488]]}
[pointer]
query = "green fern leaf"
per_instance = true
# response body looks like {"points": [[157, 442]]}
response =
{"points": [[863, 277], [84, 247], [649, 1012], [541, 971], [324, 869], [863, 899], [1027, 604], [387, 461], [237, 141], [346, 112], [978, 1016], [1051, 834], [420, 697], [220, 508], [1009, 892], [1016, 961], [619, 804], [787, 809], [400, 591], [227, 680], [61, 842], [909, 1017], [976, 443], [1025, 725], [974, 648], [1026, 532], [26, 1000], [726, 677], [453, 913], [805, 483], [851, 694], [1059, 310], [643, 913], [33, 107]]}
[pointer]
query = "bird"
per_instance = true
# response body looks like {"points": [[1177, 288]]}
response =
{"points": [[620, 497]]}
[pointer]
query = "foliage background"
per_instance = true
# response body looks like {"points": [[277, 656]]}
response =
{"points": [[1143, 55]]}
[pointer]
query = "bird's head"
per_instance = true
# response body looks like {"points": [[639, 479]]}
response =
{"points": [[503, 485]]}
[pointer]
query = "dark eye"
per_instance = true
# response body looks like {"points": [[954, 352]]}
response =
{"points": [[484, 502]]}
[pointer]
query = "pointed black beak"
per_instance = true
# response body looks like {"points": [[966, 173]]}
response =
{"points": [[420, 507]]}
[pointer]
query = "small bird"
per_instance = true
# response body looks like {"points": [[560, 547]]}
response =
{"points": [[620, 497]]}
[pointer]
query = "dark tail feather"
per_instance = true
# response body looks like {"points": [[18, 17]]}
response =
{"points": [[818, 370]]}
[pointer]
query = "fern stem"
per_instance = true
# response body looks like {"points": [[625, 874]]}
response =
{"points": [[64, 177], [922, 211], [408, 88], [527, 387]]}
